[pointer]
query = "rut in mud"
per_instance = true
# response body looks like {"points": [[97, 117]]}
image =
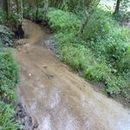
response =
{"points": [[58, 99]]}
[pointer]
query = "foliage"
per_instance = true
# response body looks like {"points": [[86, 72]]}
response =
{"points": [[98, 25], [35, 10], [97, 72], [8, 75], [6, 36], [121, 10], [8, 80], [7, 121], [100, 54], [73, 52], [63, 21], [115, 84], [2, 17], [107, 39], [30, 13], [73, 5]]}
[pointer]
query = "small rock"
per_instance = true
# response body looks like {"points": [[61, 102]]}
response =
{"points": [[30, 74], [44, 66]]}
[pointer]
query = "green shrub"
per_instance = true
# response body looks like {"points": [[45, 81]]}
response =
{"points": [[100, 54], [97, 72], [2, 17], [6, 36], [13, 19], [31, 13], [101, 25], [124, 64], [74, 56], [8, 80], [125, 92], [73, 52], [67, 38], [115, 84], [7, 121], [108, 40], [73, 5], [8, 75], [64, 38], [63, 21], [114, 51], [98, 25]]}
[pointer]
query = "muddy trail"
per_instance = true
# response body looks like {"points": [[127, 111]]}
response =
{"points": [[56, 98]]}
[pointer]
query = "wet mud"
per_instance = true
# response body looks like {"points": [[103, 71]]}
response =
{"points": [[57, 99]]}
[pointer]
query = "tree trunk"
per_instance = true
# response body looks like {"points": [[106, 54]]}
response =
{"points": [[46, 5], [19, 4], [6, 7], [117, 8], [37, 9]]}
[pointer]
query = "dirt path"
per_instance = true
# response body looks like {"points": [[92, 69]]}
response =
{"points": [[56, 98]]}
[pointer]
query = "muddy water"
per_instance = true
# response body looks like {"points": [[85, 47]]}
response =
{"points": [[58, 99]]}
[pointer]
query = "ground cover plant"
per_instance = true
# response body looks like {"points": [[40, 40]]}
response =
{"points": [[100, 53], [8, 81]]}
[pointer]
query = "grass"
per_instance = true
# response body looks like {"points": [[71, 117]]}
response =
{"points": [[100, 53], [8, 75], [8, 81], [7, 121], [63, 21]]}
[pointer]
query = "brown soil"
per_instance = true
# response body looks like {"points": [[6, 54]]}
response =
{"points": [[56, 98]]}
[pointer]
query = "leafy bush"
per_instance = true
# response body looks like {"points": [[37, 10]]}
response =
{"points": [[6, 36], [114, 52], [2, 17], [97, 72], [63, 21], [98, 25], [124, 64], [30, 13], [107, 39], [100, 54], [8, 75], [8, 80], [74, 56], [115, 84], [125, 92], [73, 5], [101, 25], [73, 52]]}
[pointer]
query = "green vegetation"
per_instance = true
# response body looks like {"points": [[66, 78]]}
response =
{"points": [[86, 37], [63, 21], [8, 75], [100, 53], [6, 36], [8, 80], [7, 121]]}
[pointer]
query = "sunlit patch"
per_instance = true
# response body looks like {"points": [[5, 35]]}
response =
{"points": [[54, 98], [46, 123]]}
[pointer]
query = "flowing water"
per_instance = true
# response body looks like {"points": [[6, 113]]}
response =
{"points": [[55, 97]]}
